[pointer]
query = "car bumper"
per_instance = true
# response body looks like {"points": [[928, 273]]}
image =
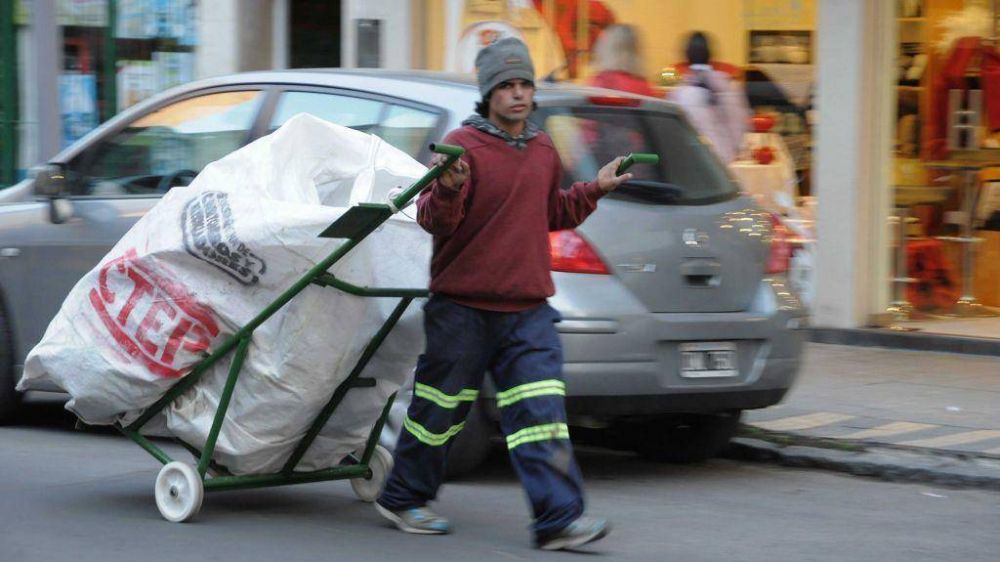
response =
{"points": [[628, 362], [779, 372]]}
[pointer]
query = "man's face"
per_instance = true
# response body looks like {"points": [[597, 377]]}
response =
{"points": [[512, 100]]}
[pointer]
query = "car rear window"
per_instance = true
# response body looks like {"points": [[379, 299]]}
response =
{"points": [[588, 137]]}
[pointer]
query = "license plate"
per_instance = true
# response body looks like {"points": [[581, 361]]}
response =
{"points": [[708, 360]]}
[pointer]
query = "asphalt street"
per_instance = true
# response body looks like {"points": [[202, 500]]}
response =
{"points": [[85, 495]]}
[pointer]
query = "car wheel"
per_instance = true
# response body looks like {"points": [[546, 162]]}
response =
{"points": [[686, 439], [472, 445], [10, 399]]}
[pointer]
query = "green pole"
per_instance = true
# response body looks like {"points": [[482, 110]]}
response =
{"points": [[366, 456], [452, 153], [8, 95], [247, 481], [110, 91], [220, 413], [346, 385], [148, 445]]}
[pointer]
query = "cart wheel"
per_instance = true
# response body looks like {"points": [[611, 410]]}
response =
{"points": [[179, 492], [381, 465]]}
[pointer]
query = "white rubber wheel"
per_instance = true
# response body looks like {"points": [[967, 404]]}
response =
{"points": [[179, 492], [381, 465]]}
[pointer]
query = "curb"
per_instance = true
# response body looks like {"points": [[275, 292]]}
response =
{"points": [[913, 341], [893, 465]]}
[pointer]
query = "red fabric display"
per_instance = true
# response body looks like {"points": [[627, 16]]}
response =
{"points": [[935, 287], [952, 77]]}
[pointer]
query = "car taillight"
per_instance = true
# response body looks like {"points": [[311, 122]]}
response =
{"points": [[781, 246], [572, 254], [615, 101]]}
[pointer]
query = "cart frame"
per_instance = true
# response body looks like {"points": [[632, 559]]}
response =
{"points": [[356, 224]]}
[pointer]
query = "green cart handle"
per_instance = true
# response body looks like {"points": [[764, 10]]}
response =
{"points": [[451, 151], [636, 158]]}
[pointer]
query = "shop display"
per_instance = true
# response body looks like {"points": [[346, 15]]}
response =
{"points": [[962, 60], [911, 8], [137, 81], [934, 288], [948, 84], [479, 35], [908, 136], [780, 47], [566, 18], [155, 39], [763, 155], [77, 105], [912, 64], [148, 19], [135, 20], [762, 123], [173, 69], [82, 13]]}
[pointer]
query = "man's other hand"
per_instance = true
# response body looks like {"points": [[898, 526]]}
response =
{"points": [[606, 178], [455, 175]]}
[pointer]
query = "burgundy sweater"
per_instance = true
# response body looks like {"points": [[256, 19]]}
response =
{"points": [[491, 241]]}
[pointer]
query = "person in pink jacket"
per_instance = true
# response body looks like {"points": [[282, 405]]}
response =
{"points": [[715, 106]]}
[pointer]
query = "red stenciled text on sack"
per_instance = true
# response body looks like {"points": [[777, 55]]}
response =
{"points": [[153, 319]]}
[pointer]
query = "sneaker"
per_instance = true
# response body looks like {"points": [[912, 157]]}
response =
{"points": [[578, 533], [418, 520]]}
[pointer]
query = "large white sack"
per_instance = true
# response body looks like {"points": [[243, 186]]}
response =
{"points": [[211, 256]]}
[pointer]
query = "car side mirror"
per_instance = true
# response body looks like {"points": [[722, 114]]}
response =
{"points": [[50, 182]]}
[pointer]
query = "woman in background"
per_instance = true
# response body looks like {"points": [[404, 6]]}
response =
{"points": [[618, 62], [714, 105]]}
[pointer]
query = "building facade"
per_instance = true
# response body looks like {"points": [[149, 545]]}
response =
{"points": [[889, 235]]}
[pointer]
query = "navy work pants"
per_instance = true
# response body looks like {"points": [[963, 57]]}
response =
{"points": [[523, 353]]}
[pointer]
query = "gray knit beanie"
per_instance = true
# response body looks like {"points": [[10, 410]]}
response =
{"points": [[503, 60]]}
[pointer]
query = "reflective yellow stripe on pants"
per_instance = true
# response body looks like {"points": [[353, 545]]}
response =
{"points": [[552, 387], [446, 401], [427, 437], [534, 433]]}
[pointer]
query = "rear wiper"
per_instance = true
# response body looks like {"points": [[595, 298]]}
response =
{"points": [[650, 191]]}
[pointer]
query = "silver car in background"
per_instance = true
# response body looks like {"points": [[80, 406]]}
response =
{"points": [[677, 313]]}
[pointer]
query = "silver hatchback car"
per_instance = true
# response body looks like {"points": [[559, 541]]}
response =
{"points": [[677, 313]]}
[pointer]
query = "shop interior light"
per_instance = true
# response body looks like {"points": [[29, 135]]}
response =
{"points": [[572, 254]]}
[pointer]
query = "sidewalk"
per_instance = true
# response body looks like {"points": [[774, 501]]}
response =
{"points": [[857, 402]]}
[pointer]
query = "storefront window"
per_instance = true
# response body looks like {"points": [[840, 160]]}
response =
{"points": [[154, 47], [83, 26], [118, 53], [946, 169]]}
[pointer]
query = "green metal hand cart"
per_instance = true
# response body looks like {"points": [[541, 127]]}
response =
{"points": [[180, 488]]}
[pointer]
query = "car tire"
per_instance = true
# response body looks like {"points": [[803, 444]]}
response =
{"points": [[472, 445], [10, 399], [687, 439]]}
